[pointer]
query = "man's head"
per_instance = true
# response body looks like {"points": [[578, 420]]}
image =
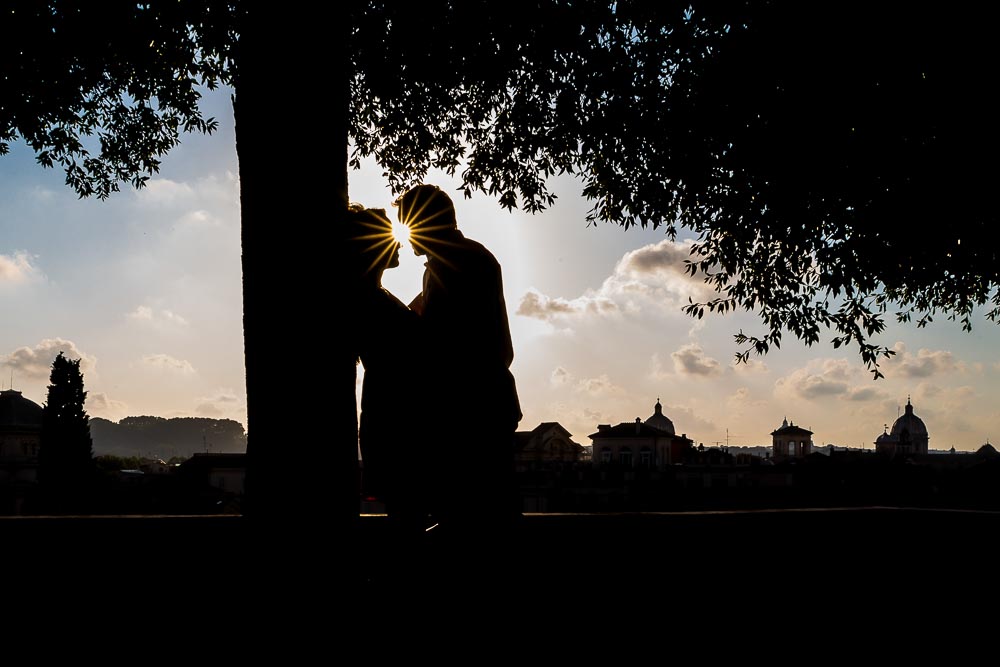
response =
{"points": [[429, 213]]}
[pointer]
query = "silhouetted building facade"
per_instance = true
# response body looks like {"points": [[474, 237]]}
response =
{"points": [[546, 444], [790, 442], [20, 438], [650, 444], [908, 436]]}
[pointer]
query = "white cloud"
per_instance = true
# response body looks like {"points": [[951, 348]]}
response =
{"points": [[686, 422], [750, 366], [598, 386], [102, 405], [595, 386], [818, 379], [652, 276], [36, 362], [690, 359], [156, 317], [537, 305], [198, 218], [168, 364], [164, 190], [17, 268], [222, 403], [920, 365], [862, 393], [560, 377]]}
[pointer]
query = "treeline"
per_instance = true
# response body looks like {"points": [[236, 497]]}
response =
{"points": [[159, 437]]}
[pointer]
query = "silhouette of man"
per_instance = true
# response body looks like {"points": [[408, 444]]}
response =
{"points": [[466, 355]]}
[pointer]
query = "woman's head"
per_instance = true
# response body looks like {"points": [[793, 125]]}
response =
{"points": [[371, 245]]}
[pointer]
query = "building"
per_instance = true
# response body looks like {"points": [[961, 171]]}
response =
{"points": [[908, 436], [790, 442], [652, 443], [546, 444], [20, 439], [219, 478]]}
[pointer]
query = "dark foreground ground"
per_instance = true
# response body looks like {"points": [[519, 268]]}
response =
{"points": [[782, 569]]}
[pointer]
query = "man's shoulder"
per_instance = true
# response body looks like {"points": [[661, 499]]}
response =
{"points": [[473, 247]]}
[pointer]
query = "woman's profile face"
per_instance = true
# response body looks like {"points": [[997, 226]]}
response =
{"points": [[372, 234]]}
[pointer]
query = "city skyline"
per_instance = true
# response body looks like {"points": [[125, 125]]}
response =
{"points": [[146, 288]]}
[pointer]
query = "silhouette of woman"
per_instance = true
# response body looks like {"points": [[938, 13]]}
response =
{"points": [[390, 466]]}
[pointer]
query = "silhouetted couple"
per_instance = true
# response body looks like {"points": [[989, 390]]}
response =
{"points": [[439, 405]]}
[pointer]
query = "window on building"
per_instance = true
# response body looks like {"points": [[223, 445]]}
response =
{"points": [[606, 455], [625, 457], [646, 457]]}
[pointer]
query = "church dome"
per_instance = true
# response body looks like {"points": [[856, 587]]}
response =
{"points": [[909, 424], [16, 411], [660, 420]]}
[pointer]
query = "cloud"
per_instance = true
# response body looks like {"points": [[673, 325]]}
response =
{"points": [[36, 362], [742, 400], [168, 364], [653, 275], [819, 379], [221, 403], [665, 257], [864, 394], [164, 190], [750, 366], [208, 410], [17, 268], [102, 405], [656, 368], [920, 365], [156, 317], [537, 305], [686, 422], [690, 359], [560, 377], [596, 386]]}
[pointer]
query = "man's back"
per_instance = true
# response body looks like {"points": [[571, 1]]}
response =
{"points": [[464, 308]]}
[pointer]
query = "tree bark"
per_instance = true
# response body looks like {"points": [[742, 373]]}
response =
{"points": [[292, 147]]}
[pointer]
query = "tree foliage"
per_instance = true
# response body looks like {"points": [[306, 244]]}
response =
{"points": [[163, 438], [811, 148], [104, 90]]}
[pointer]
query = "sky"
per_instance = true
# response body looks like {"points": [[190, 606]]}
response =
{"points": [[145, 289]]}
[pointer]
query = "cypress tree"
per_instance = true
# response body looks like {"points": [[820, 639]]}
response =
{"points": [[66, 457]]}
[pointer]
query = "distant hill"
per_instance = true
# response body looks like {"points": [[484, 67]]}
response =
{"points": [[164, 438]]}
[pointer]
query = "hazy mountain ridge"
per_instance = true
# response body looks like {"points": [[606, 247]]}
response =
{"points": [[160, 437]]}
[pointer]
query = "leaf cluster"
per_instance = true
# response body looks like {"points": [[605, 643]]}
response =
{"points": [[104, 90]]}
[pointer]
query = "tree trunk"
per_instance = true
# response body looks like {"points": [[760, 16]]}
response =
{"points": [[302, 475]]}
